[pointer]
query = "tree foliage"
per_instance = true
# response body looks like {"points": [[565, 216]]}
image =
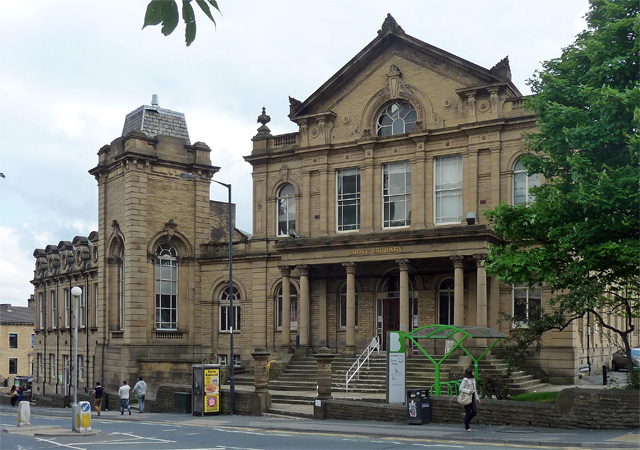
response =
{"points": [[165, 12], [581, 235]]}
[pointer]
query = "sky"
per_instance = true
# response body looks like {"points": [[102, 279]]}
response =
{"points": [[71, 70]]}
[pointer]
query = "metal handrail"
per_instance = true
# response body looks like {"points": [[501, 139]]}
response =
{"points": [[363, 358]]}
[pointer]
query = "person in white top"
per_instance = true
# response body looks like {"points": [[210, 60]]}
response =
{"points": [[468, 386], [140, 389], [123, 393]]}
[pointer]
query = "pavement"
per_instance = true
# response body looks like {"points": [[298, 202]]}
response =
{"points": [[534, 436]]}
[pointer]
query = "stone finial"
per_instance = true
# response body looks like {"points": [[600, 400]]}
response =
{"points": [[390, 24], [502, 68], [264, 119]]}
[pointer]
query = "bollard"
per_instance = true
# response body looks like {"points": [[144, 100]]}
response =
{"points": [[83, 417], [604, 375], [24, 413]]}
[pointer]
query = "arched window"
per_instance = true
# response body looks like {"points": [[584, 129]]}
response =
{"points": [[286, 210], [225, 310], [397, 118], [293, 301], [121, 302], [166, 288], [522, 183], [343, 307], [445, 302]]}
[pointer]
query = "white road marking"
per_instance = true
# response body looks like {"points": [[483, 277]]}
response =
{"points": [[58, 444]]}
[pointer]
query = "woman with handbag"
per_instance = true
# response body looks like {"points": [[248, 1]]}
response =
{"points": [[468, 397]]}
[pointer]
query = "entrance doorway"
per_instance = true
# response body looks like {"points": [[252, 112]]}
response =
{"points": [[390, 318]]}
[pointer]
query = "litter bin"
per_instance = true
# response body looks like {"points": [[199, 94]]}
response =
{"points": [[182, 402], [418, 406]]}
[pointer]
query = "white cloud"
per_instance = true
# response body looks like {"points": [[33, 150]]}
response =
{"points": [[15, 271]]}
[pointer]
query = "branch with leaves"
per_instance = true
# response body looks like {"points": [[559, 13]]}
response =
{"points": [[165, 12]]}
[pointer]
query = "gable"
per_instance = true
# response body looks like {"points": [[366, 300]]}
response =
{"points": [[397, 66]]}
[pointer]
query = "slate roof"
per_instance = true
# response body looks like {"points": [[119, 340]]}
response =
{"points": [[16, 314], [153, 121]]}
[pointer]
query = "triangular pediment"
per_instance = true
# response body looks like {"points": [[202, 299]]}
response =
{"points": [[425, 71]]}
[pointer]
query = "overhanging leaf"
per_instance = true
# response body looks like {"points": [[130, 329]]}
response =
{"points": [[189, 20], [205, 8], [170, 17]]}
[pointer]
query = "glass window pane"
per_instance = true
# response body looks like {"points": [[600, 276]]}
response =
{"points": [[398, 127]]}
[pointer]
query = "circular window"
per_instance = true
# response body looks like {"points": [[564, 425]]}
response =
{"points": [[397, 118]]}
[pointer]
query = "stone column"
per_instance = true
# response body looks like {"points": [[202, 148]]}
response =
{"points": [[323, 358], [351, 308], [481, 295], [285, 336], [261, 399], [458, 290], [303, 319], [404, 294]]}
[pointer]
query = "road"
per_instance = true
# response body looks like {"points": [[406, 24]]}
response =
{"points": [[221, 433]]}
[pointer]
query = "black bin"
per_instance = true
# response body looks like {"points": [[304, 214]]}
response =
{"points": [[182, 401], [418, 406]]}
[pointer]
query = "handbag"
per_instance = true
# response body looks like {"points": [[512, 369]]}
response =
{"points": [[464, 399]]}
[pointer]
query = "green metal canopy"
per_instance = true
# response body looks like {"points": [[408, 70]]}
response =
{"points": [[457, 335]]}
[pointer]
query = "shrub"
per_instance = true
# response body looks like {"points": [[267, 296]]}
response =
{"points": [[493, 385]]}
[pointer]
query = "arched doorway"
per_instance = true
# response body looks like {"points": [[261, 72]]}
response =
{"points": [[388, 306]]}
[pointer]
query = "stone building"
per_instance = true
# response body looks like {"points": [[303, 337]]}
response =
{"points": [[367, 219], [16, 340]]}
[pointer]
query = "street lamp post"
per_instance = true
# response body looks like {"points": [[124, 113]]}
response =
{"points": [[76, 292], [191, 176]]}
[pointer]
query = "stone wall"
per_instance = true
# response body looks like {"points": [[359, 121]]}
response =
{"points": [[574, 408]]}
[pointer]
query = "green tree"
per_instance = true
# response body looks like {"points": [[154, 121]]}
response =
{"points": [[580, 236], [166, 13]]}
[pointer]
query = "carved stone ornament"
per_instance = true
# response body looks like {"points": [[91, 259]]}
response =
{"points": [[284, 173], [394, 77], [390, 24], [264, 119], [170, 227]]}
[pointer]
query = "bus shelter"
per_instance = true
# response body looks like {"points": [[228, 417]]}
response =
{"points": [[456, 337]]}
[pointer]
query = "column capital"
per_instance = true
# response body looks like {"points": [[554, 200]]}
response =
{"points": [[458, 261], [285, 270], [481, 259], [403, 264], [350, 267], [303, 269]]}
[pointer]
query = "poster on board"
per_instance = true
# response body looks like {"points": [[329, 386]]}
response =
{"points": [[211, 392]]}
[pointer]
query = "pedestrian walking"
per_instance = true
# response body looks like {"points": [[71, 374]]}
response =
{"points": [[123, 393], [468, 386], [14, 395], [20, 394], [97, 395], [140, 389]]}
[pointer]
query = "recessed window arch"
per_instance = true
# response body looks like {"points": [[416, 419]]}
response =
{"points": [[286, 209], [293, 307], [226, 323], [166, 287], [522, 183], [342, 310], [396, 118], [446, 301]]}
